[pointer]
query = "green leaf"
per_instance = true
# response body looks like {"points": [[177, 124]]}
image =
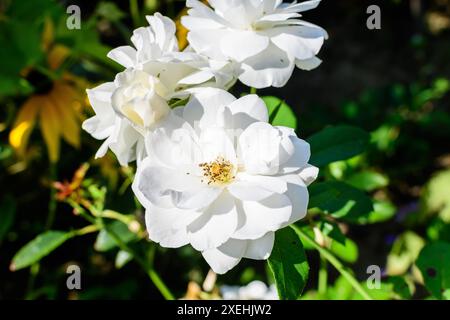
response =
{"points": [[435, 198], [110, 11], [382, 211], [399, 287], [7, 213], [340, 200], [337, 143], [331, 230], [280, 112], [404, 252], [38, 248], [368, 180], [289, 264], [341, 290], [347, 252], [105, 241], [438, 230], [122, 258], [434, 262]]}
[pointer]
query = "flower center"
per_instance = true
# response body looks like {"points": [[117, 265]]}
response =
{"points": [[218, 172]]}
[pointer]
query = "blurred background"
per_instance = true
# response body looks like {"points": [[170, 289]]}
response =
{"points": [[394, 83]]}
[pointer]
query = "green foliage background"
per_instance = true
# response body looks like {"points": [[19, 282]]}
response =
{"points": [[377, 116]]}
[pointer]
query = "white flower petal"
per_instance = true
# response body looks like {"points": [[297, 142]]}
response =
{"points": [[166, 187], [299, 196], [259, 149], [247, 110], [103, 149], [272, 67], [298, 158], [271, 5], [97, 128], [197, 77], [301, 42], [308, 174], [244, 190], [168, 226], [216, 225], [125, 56], [225, 257], [256, 218], [301, 7], [240, 45], [174, 147], [193, 23], [217, 143], [164, 30], [206, 107], [207, 42], [308, 64], [260, 249], [199, 9], [255, 188], [123, 141]]}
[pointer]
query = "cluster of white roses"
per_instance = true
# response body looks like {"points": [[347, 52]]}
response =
{"points": [[212, 172]]}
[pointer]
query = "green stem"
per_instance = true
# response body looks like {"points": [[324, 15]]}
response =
{"points": [[52, 201], [154, 277], [253, 90], [117, 216], [86, 230], [323, 276], [47, 72], [34, 270], [157, 281], [160, 284], [326, 254], [134, 9]]}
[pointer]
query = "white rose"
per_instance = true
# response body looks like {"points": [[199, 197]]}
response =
{"points": [[158, 42], [151, 43], [137, 101], [264, 36], [224, 181], [141, 98]]}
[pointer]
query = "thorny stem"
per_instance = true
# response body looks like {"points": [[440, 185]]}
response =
{"points": [[326, 254]]}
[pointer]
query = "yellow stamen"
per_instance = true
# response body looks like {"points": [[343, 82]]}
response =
{"points": [[218, 172]]}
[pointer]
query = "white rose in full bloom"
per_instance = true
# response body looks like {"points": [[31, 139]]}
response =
{"points": [[137, 100], [225, 180], [264, 36]]}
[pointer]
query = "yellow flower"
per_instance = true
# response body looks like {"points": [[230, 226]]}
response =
{"points": [[56, 104]]}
